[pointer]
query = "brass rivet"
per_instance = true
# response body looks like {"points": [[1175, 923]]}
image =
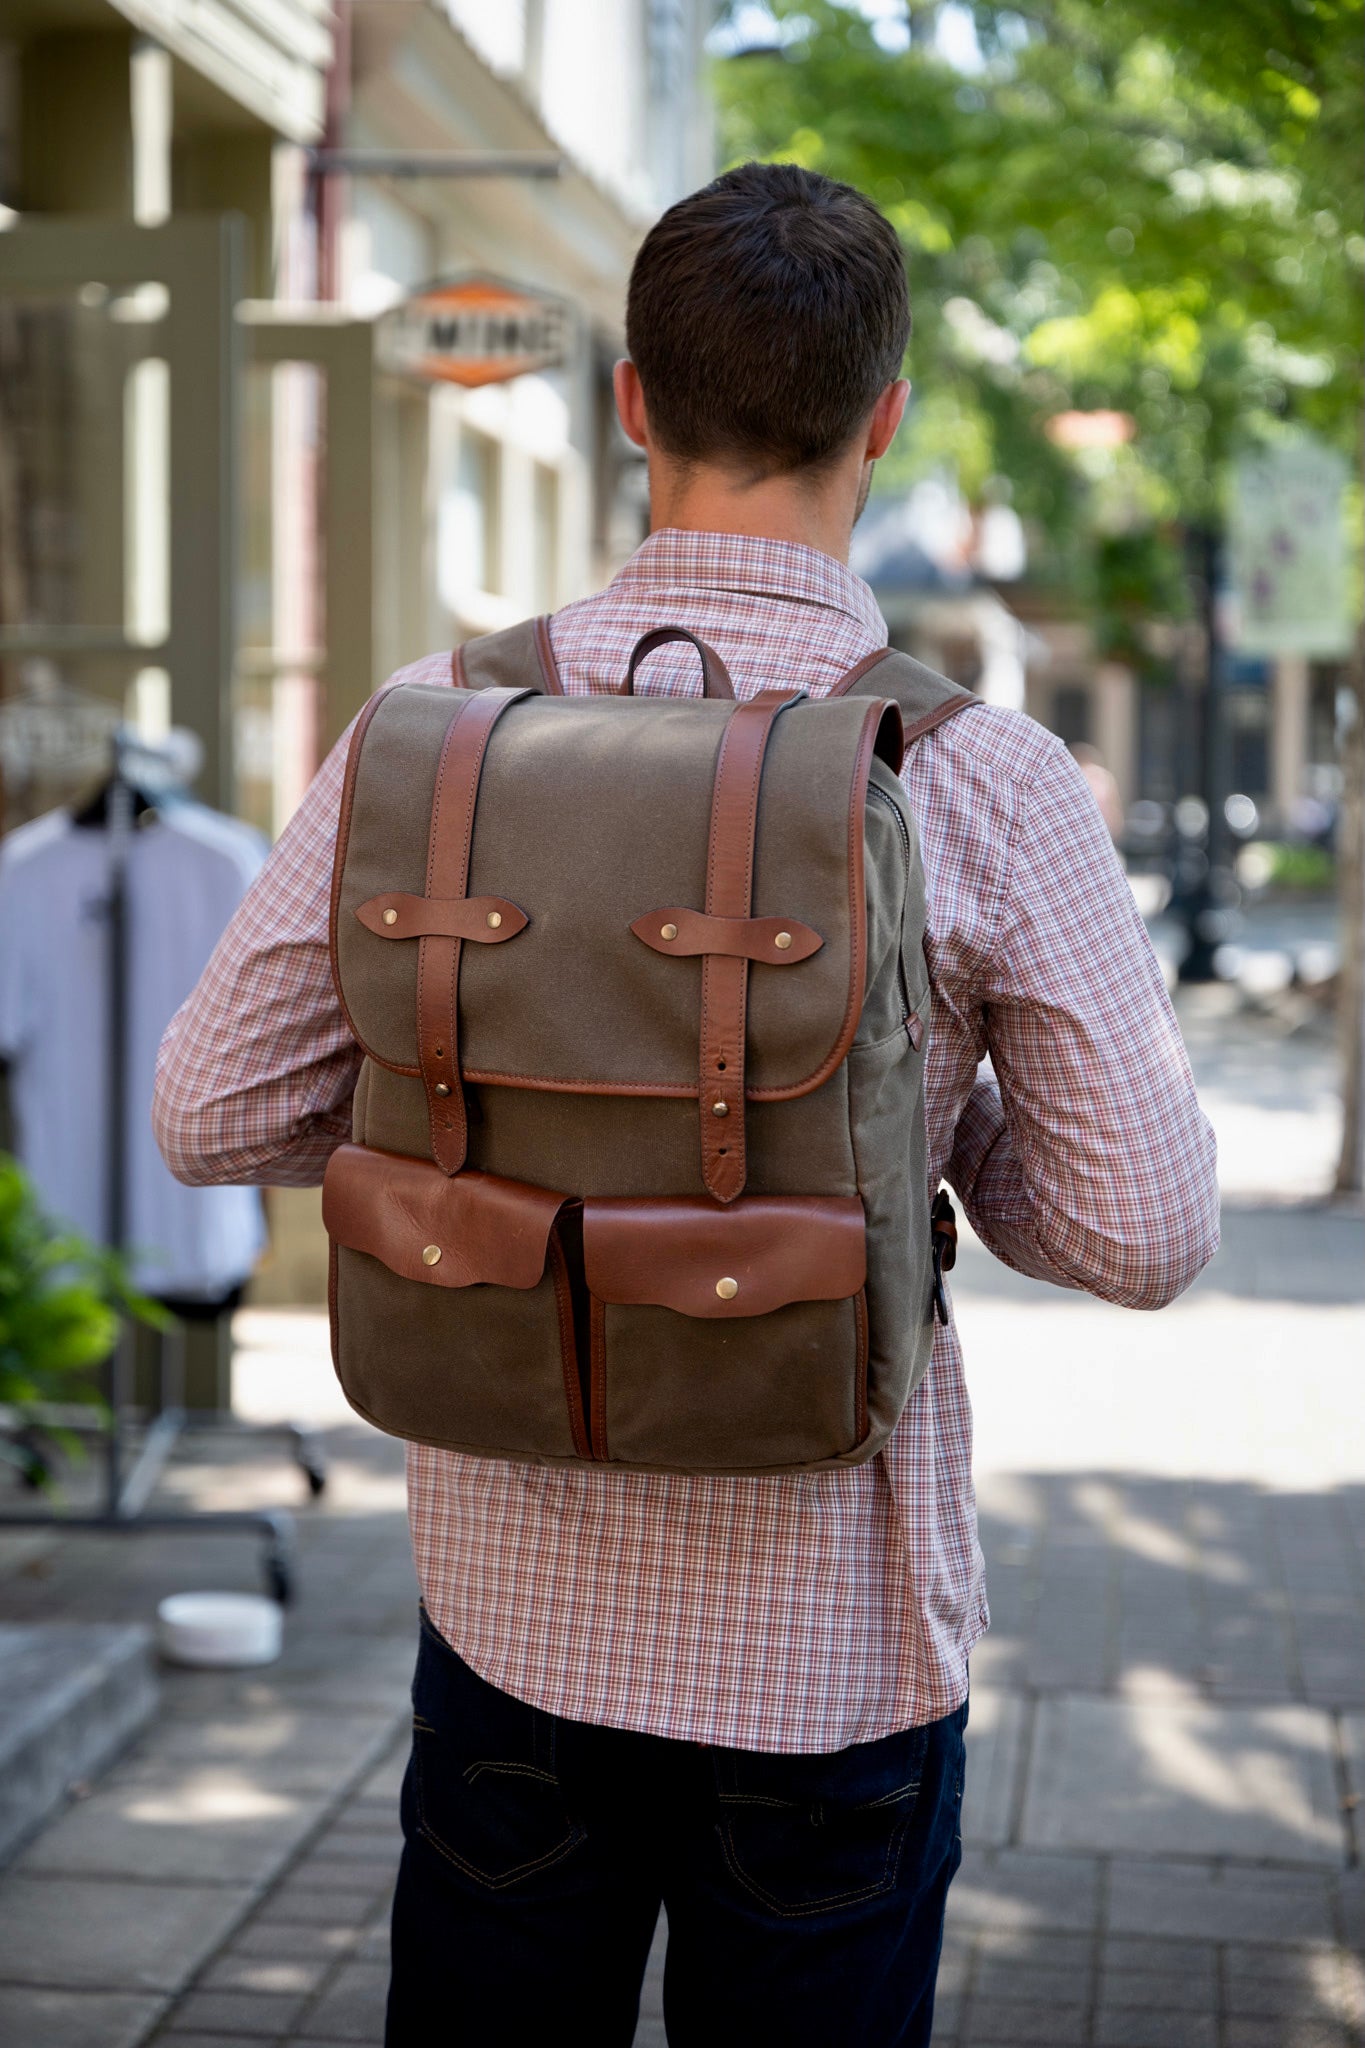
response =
{"points": [[782, 941], [432, 1255], [668, 931], [495, 918], [390, 917], [441, 1088], [727, 1289], [720, 1109]]}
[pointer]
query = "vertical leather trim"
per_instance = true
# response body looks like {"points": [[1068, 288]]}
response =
{"points": [[860, 1368], [598, 1345], [549, 667], [568, 1350], [859, 669], [938, 716], [362, 726], [959, 700], [550, 682], [438, 958], [725, 977]]}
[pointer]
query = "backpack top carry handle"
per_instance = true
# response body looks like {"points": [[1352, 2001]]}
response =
{"points": [[715, 677]]}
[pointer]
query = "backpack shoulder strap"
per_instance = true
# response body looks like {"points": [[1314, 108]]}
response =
{"points": [[925, 698], [520, 657]]}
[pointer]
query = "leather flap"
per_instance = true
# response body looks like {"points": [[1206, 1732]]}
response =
{"points": [[758, 1254], [592, 811], [401, 1211]]}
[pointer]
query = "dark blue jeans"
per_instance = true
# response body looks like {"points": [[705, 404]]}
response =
{"points": [[805, 1894]]}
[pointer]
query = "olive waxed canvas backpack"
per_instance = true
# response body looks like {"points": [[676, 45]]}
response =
{"points": [[639, 1169]]}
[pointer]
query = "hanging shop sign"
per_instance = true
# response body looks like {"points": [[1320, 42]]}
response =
{"points": [[1288, 556], [475, 330]]}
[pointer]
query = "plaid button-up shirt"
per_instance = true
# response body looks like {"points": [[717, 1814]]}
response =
{"points": [[809, 1611]]}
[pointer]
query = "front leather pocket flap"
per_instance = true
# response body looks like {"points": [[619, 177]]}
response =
{"points": [[690, 1254], [449, 1230]]}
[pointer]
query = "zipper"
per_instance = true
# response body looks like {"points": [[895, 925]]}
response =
{"points": [[904, 831]]}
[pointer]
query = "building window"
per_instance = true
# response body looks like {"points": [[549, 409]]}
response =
{"points": [[545, 537], [1071, 713], [470, 522]]}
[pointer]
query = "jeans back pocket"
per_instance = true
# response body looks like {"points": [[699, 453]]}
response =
{"points": [[814, 1834], [487, 1792]]}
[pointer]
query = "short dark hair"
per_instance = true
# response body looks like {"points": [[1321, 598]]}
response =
{"points": [[766, 314]]}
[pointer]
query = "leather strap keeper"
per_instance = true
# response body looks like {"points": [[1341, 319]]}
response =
{"points": [[776, 941], [488, 920]]}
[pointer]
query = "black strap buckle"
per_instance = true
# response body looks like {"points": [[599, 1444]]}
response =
{"points": [[943, 1220]]}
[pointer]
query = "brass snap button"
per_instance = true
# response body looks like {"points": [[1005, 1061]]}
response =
{"points": [[668, 931], [432, 1255], [390, 917], [720, 1109], [727, 1289], [495, 918], [442, 1088], [782, 941]]}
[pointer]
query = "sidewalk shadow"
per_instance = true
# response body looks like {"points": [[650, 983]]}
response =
{"points": [[1166, 1756]]}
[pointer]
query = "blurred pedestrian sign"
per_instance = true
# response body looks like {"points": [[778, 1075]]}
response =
{"points": [[474, 331], [1288, 554]]}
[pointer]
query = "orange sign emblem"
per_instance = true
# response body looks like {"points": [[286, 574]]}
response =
{"points": [[476, 331]]}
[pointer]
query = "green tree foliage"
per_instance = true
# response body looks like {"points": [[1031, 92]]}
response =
{"points": [[1149, 206]]}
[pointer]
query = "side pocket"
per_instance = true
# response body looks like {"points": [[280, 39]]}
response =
{"points": [[451, 1307], [727, 1340], [886, 1122]]}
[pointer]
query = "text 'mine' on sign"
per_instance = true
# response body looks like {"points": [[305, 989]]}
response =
{"points": [[475, 331]]}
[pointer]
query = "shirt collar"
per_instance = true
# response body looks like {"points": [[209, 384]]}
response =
{"points": [[786, 569]]}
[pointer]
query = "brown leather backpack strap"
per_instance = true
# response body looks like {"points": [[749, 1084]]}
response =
{"points": [[725, 976], [925, 698], [438, 956], [519, 657]]}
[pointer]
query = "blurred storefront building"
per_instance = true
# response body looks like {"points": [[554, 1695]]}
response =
{"points": [[955, 587], [233, 494]]}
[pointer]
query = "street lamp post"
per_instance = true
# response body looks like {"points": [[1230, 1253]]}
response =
{"points": [[1204, 888]]}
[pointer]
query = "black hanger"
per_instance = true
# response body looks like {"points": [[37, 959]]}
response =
{"points": [[94, 812]]}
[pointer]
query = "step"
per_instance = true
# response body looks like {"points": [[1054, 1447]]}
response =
{"points": [[72, 1696]]}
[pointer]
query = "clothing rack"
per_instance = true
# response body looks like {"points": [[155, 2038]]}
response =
{"points": [[130, 1474]]}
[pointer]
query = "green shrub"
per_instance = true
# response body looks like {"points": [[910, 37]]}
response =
{"points": [[1301, 867], [61, 1303]]}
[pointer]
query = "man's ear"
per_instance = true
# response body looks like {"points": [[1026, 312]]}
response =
{"points": [[886, 417], [630, 402]]}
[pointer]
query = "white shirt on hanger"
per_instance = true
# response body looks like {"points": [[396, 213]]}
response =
{"points": [[188, 869]]}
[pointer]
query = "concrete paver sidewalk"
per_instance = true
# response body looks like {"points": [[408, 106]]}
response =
{"points": [[1167, 1745]]}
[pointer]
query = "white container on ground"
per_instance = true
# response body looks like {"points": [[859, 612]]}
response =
{"points": [[220, 1631]]}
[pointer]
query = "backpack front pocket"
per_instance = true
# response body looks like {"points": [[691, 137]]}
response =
{"points": [[726, 1338], [451, 1306]]}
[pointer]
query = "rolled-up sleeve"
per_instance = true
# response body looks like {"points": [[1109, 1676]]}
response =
{"points": [[1084, 1158], [258, 1066]]}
